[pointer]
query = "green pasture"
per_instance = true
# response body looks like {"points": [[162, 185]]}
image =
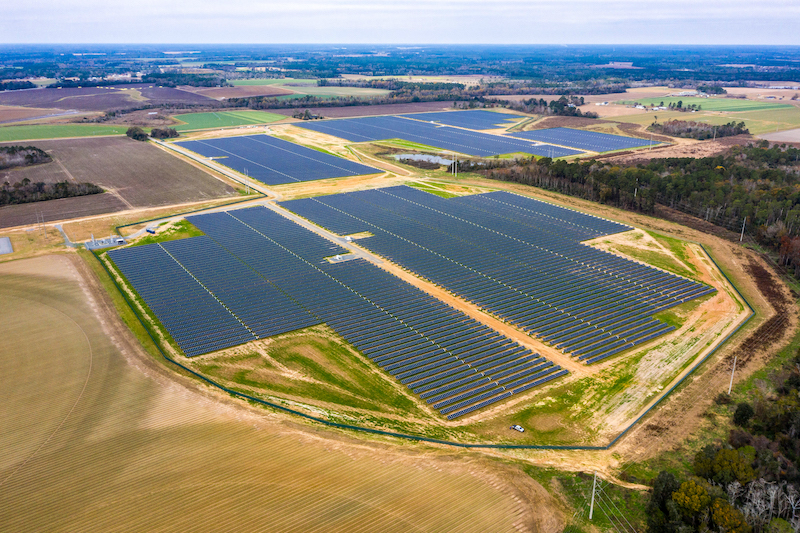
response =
{"points": [[224, 119], [757, 121], [57, 131], [712, 104]]}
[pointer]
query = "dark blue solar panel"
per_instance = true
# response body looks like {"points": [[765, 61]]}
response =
{"points": [[444, 137], [583, 140], [424, 343], [274, 161], [475, 119], [517, 258]]}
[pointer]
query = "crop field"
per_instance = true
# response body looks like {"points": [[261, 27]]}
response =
{"points": [[224, 119], [135, 174], [100, 98], [462, 141], [456, 364], [713, 104], [526, 265], [57, 131], [274, 161], [477, 119], [303, 87], [111, 438], [584, 140]]}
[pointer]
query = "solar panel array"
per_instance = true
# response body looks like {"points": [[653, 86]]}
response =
{"points": [[458, 140], [256, 274], [517, 258], [583, 140], [475, 119], [274, 161]]}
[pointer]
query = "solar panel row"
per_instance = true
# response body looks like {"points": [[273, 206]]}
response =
{"points": [[197, 321], [531, 270], [424, 343], [583, 140], [475, 119], [274, 161], [458, 140]]}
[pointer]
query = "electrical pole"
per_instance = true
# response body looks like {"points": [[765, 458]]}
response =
{"points": [[742, 235], [732, 371], [594, 489]]}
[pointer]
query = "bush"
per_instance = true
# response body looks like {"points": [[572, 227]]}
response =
{"points": [[744, 412], [164, 133], [136, 133]]}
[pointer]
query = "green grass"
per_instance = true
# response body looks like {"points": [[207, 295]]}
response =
{"points": [[655, 258], [57, 131], [324, 369], [224, 119], [431, 190], [712, 104], [179, 230]]}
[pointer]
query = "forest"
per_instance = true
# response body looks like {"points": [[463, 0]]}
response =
{"points": [[22, 156], [749, 484]]}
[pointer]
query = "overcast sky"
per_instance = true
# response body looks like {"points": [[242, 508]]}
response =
{"points": [[401, 21]]}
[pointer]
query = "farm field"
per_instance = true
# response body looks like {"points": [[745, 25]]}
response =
{"points": [[304, 87], [712, 104], [135, 174], [274, 161], [100, 98], [114, 436], [19, 113], [758, 122], [32, 132], [224, 119]]}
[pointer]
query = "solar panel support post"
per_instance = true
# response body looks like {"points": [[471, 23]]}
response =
{"points": [[742, 235], [594, 489], [730, 386]]}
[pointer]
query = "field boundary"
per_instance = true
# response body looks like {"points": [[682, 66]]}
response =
{"points": [[420, 438]]}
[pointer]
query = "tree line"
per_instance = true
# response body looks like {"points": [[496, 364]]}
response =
{"points": [[26, 191], [563, 107], [22, 156], [698, 130], [16, 85]]}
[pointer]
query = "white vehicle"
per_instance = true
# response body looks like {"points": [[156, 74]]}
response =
{"points": [[517, 427]]}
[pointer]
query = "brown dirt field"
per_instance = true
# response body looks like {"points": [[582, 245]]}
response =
{"points": [[240, 91], [138, 174], [144, 118], [680, 148], [125, 433], [16, 113], [63, 209], [370, 110]]}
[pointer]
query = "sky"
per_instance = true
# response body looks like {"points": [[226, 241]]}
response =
{"points": [[402, 21]]}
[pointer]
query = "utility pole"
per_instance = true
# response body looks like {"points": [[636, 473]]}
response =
{"points": [[742, 235], [732, 371], [594, 489]]}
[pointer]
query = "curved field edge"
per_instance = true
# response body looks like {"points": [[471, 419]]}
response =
{"points": [[423, 428], [138, 439]]}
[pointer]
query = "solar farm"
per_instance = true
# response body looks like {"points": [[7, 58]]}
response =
{"points": [[517, 258], [475, 119], [274, 161], [459, 140], [584, 140]]}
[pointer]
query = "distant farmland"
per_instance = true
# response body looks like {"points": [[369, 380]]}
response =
{"points": [[712, 104], [57, 131], [136, 174]]}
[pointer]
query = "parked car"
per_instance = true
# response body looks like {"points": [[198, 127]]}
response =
{"points": [[517, 427]]}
